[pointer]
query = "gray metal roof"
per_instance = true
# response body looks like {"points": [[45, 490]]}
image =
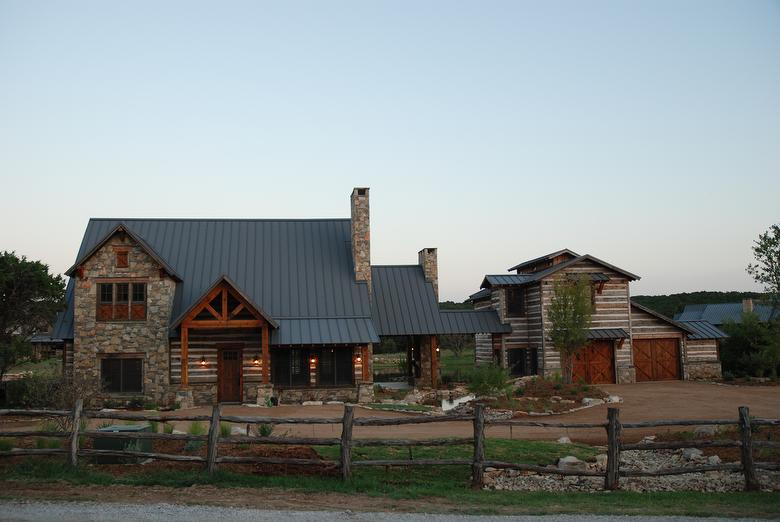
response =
{"points": [[719, 313], [507, 279], [704, 330], [299, 271], [607, 333], [485, 292], [404, 303], [542, 258]]}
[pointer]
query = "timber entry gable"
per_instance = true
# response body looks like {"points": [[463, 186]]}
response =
{"points": [[225, 306]]}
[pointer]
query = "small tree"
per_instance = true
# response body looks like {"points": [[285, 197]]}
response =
{"points": [[766, 269], [29, 299], [569, 317]]}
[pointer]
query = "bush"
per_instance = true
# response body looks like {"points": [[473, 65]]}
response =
{"points": [[48, 443], [136, 403], [488, 380], [153, 426], [32, 391], [6, 444], [150, 405], [196, 428], [224, 429], [167, 428], [264, 430]]}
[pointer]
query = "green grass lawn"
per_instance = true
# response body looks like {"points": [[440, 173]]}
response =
{"points": [[456, 365]]}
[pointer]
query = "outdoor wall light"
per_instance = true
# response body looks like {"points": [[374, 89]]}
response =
{"points": [[437, 349], [203, 361], [256, 360], [314, 360], [358, 359]]}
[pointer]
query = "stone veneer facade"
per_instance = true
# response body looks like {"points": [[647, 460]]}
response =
{"points": [[93, 339]]}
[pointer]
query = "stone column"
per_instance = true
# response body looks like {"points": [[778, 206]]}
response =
{"points": [[361, 235]]}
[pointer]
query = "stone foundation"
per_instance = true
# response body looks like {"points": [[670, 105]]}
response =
{"points": [[626, 375], [704, 371], [365, 393], [263, 393]]}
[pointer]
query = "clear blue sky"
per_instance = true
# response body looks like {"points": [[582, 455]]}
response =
{"points": [[647, 134]]}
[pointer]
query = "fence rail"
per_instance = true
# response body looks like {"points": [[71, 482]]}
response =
{"points": [[346, 442]]}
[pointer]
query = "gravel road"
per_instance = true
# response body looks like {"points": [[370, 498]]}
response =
{"points": [[88, 512]]}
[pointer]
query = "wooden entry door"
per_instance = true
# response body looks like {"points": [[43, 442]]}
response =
{"points": [[657, 359], [595, 364], [229, 375]]}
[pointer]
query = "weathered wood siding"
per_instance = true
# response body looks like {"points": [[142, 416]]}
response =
{"points": [[483, 353], [705, 350], [203, 343], [644, 325], [611, 310]]}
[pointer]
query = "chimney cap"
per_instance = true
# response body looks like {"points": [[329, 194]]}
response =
{"points": [[360, 191]]}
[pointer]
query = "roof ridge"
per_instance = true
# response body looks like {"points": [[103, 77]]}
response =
{"points": [[218, 219]]}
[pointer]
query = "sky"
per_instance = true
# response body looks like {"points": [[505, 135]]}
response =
{"points": [[644, 133]]}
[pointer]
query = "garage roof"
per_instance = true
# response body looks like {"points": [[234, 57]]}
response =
{"points": [[607, 333]]}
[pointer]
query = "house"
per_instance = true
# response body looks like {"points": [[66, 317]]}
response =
{"points": [[627, 342], [247, 310], [719, 313]]}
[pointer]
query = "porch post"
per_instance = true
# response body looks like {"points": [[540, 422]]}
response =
{"points": [[266, 356], [185, 358], [434, 361]]}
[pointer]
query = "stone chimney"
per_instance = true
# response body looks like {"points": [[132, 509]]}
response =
{"points": [[361, 235], [747, 305], [428, 260]]}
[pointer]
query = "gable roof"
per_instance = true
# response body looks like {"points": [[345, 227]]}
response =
{"points": [[704, 330], [299, 272], [676, 324], [719, 313], [404, 303], [543, 258]]}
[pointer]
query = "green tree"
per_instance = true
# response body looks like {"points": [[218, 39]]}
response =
{"points": [[752, 348], [569, 316], [30, 297], [766, 269]]}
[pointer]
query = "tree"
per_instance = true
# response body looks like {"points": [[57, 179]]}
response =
{"points": [[766, 269], [752, 347], [30, 297], [569, 317]]}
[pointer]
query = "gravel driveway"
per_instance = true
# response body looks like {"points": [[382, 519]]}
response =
{"points": [[89, 512]]}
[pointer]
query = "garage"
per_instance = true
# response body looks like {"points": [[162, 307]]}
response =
{"points": [[657, 359], [595, 364]]}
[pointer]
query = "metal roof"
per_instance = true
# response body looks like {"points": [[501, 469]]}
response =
{"points": [[662, 317], [507, 279], [543, 258], [607, 333], [296, 270], [485, 292], [704, 330], [719, 313], [404, 303]]}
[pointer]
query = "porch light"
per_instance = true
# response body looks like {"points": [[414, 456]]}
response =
{"points": [[256, 360], [314, 360], [358, 359], [437, 349], [203, 361]]}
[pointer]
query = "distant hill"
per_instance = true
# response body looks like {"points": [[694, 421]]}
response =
{"points": [[451, 305], [671, 304]]}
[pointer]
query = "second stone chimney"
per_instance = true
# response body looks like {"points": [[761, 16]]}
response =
{"points": [[361, 235], [428, 260], [747, 306]]}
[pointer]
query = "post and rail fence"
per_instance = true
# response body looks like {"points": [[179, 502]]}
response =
{"points": [[614, 429]]}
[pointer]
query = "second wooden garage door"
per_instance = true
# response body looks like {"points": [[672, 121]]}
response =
{"points": [[594, 364], [656, 359]]}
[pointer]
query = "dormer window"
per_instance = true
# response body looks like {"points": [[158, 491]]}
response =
{"points": [[515, 301], [122, 259]]}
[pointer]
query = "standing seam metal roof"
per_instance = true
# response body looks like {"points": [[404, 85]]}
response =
{"points": [[704, 330]]}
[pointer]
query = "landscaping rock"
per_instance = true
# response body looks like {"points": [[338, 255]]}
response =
{"points": [[564, 440], [571, 463], [614, 399], [238, 430], [311, 403], [691, 453], [713, 460], [704, 432], [601, 460], [179, 432], [588, 401]]}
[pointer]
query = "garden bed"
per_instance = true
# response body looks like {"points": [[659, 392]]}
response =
{"points": [[539, 395]]}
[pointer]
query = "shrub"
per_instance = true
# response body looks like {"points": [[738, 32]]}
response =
{"points": [[488, 380], [196, 428], [150, 405], [167, 428], [224, 429], [136, 402], [51, 425], [104, 424], [48, 443], [264, 430], [6, 444], [176, 405], [111, 404], [153, 426]]}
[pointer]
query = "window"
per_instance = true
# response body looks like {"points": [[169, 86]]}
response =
{"points": [[122, 375], [115, 303], [515, 302], [122, 260]]}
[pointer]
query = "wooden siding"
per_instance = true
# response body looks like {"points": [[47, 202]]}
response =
{"points": [[483, 353], [644, 325], [203, 344], [705, 350]]}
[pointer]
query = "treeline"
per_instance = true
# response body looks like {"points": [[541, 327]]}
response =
{"points": [[672, 304]]}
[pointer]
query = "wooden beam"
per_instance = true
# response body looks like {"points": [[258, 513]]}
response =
{"points": [[237, 310], [434, 360], [207, 323], [224, 304], [266, 356], [364, 367], [212, 311], [185, 362]]}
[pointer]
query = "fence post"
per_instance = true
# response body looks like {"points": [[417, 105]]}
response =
{"points": [[746, 437], [346, 442], [479, 446], [73, 456], [612, 476], [211, 456]]}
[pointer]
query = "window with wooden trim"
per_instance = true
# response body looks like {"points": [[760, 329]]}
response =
{"points": [[122, 374], [121, 302], [515, 301], [122, 259]]}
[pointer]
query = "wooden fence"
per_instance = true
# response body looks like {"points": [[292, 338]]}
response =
{"points": [[346, 441]]}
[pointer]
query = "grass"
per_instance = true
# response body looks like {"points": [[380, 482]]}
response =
{"points": [[449, 485], [401, 407], [50, 366], [452, 364]]}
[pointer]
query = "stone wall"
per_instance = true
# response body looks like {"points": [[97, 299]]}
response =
{"points": [[428, 260], [299, 395], [705, 371], [149, 338]]}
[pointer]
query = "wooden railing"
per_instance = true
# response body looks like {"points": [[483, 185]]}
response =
{"points": [[346, 442]]}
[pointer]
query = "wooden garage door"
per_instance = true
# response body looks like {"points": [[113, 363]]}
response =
{"points": [[656, 359], [595, 364]]}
